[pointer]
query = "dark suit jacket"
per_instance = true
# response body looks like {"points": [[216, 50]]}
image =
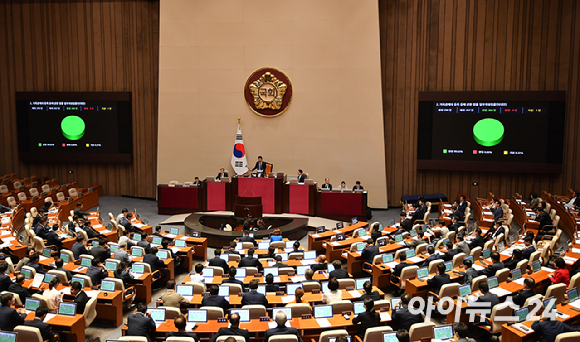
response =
{"points": [[222, 175], [272, 288], [373, 295], [22, 292], [319, 267], [260, 166], [36, 221], [231, 251], [367, 320], [37, 267], [360, 187], [5, 282], [217, 301], [399, 268], [247, 262], [81, 299], [91, 234], [544, 219], [41, 231], [54, 240], [403, 319], [369, 253], [68, 274], [9, 318], [182, 334], [101, 253], [143, 243], [512, 263], [521, 297], [233, 281], [78, 249], [497, 213], [219, 263], [154, 261], [438, 281], [489, 297], [407, 224], [527, 252], [248, 239], [500, 230], [429, 259], [477, 242], [551, 329], [281, 330], [327, 186], [254, 298], [468, 275], [339, 274], [492, 269], [140, 325], [44, 328], [280, 265], [301, 178], [462, 206], [96, 274], [231, 331], [448, 256], [454, 226]]}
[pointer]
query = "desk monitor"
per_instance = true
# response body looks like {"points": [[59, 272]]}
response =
{"points": [[464, 290], [382, 242], [339, 225], [398, 238], [322, 311], [360, 247], [271, 270], [86, 262], [324, 286], [284, 256], [244, 314], [239, 246], [320, 229], [64, 257], [95, 243], [138, 252], [224, 291], [448, 266], [358, 307], [78, 280], [410, 253], [225, 257], [137, 237], [413, 233], [6, 336], [522, 314], [550, 304], [445, 242], [162, 254], [195, 234], [353, 220], [67, 308], [536, 265], [138, 269], [46, 252], [48, 277], [387, 337], [396, 303], [388, 258], [207, 272], [262, 289], [443, 332], [110, 265], [156, 240], [362, 232], [392, 222], [309, 255], [423, 272], [157, 314], [31, 304], [381, 227], [572, 294], [516, 273], [492, 282], [174, 231], [469, 257], [329, 268], [263, 245], [300, 270], [333, 339], [241, 272], [114, 248], [360, 282], [108, 285], [486, 253], [197, 316], [184, 290], [501, 246], [340, 237], [291, 288], [287, 311], [179, 243], [290, 244]]}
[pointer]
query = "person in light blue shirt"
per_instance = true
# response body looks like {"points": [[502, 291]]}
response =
{"points": [[276, 235]]}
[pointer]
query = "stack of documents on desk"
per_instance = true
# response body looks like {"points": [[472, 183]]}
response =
{"points": [[323, 322], [298, 279], [500, 292], [392, 264], [272, 324], [48, 317], [308, 262], [522, 328], [571, 260], [355, 293], [415, 259], [385, 316]]}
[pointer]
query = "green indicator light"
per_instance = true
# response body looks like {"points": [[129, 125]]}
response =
{"points": [[444, 150], [488, 132], [73, 127]]}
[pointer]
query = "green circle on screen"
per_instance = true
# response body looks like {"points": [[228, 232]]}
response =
{"points": [[73, 127], [488, 132]]}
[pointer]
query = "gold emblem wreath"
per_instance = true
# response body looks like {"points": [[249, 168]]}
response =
{"points": [[270, 79]]}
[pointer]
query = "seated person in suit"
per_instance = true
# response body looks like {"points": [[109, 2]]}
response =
{"points": [[455, 225], [460, 214], [232, 279], [487, 296], [368, 319], [271, 253], [270, 286], [403, 336], [18, 288], [276, 235], [247, 225], [404, 318], [250, 261], [527, 292], [232, 249], [478, 241], [562, 275], [357, 186], [260, 166], [529, 249], [534, 200], [53, 239], [451, 252], [301, 177], [41, 228], [461, 332], [320, 263], [308, 276], [122, 215], [326, 184], [33, 262], [38, 322], [180, 323], [124, 273], [333, 294], [439, 280], [402, 264], [144, 243], [10, 317], [79, 210], [512, 262], [213, 299], [58, 263], [87, 228], [406, 224], [171, 298], [338, 272], [368, 254], [492, 269], [550, 329], [222, 174], [253, 297], [197, 182], [420, 210], [462, 246], [157, 231], [260, 225], [218, 262], [5, 280], [433, 255], [369, 293], [81, 298], [343, 185], [141, 323], [97, 272], [279, 263], [126, 223], [247, 238], [281, 328], [234, 329], [469, 274], [102, 251], [296, 248], [36, 220]]}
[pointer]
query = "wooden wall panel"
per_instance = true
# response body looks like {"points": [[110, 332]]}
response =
{"points": [[83, 45], [442, 45]]}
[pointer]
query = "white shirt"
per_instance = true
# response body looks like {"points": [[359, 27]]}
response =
{"points": [[196, 278], [331, 296], [123, 238], [54, 298]]}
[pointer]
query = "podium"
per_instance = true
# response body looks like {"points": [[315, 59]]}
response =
{"points": [[244, 206]]}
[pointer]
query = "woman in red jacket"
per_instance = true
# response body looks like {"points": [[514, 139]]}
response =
{"points": [[561, 276]]}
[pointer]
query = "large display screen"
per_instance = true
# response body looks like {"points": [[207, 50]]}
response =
{"points": [[74, 127], [491, 131]]}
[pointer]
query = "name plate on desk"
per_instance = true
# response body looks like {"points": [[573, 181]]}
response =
{"points": [[265, 319], [222, 320], [306, 316]]}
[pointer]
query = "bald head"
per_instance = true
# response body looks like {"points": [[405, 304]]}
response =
{"points": [[280, 318]]}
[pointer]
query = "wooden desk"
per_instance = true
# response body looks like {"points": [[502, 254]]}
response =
{"points": [[72, 327], [179, 200], [315, 241], [282, 279], [199, 244], [110, 307], [341, 205], [89, 200], [300, 199], [143, 288]]}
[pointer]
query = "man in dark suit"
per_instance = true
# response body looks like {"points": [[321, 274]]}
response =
{"points": [[462, 204], [454, 226], [456, 212], [58, 266], [451, 252], [17, 288], [5, 281], [91, 233], [232, 279], [79, 248], [153, 260], [33, 262], [250, 261], [368, 254], [180, 323], [217, 262], [79, 210], [247, 238], [499, 229], [53, 239], [419, 213], [439, 280], [487, 296], [234, 329], [81, 298], [301, 176], [144, 243], [491, 270], [102, 251], [213, 299], [402, 264], [10, 317], [512, 262], [320, 263], [549, 329], [38, 322], [38, 217], [357, 186], [478, 241], [232, 249], [326, 184], [222, 174], [197, 182], [527, 292], [369, 293], [469, 272], [253, 297], [403, 318], [279, 263], [281, 328], [260, 166], [126, 223], [141, 323], [338, 272], [41, 228], [432, 256], [368, 319], [97, 272], [527, 252]]}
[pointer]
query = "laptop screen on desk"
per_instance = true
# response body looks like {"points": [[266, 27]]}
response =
{"points": [[244, 314], [300, 270], [263, 245], [522, 314], [284, 256], [359, 283], [31, 304], [137, 237], [492, 282], [46, 252], [388, 337], [224, 291], [322, 311], [309, 255], [287, 311], [8, 336], [360, 247], [486, 253], [184, 290], [410, 253], [108, 285], [67, 309], [398, 238], [271, 270], [536, 266], [114, 248], [174, 231], [241, 272], [358, 307], [138, 269], [78, 280], [207, 272], [444, 332], [136, 252], [158, 315], [448, 265], [464, 290], [396, 303], [516, 274], [388, 258], [110, 265], [179, 243], [290, 244], [423, 272], [291, 288], [197, 316], [163, 255], [572, 294], [156, 240], [48, 278], [64, 258], [469, 257], [86, 262], [261, 289]]}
